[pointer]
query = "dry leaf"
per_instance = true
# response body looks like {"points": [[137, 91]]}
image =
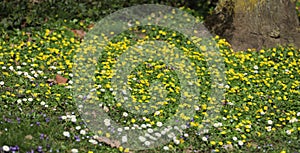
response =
{"points": [[79, 33], [29, 137], [60, 79], [112, 143], [90, 26], [51, 81]]}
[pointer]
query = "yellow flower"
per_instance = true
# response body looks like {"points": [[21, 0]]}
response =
{"points": [[121, 149], [290, 53], [213, 143]]}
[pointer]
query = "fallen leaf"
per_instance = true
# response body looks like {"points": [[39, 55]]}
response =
{"points": [[51, 81], [60, 79], [90, 26], [29, 137], [79, 33], [112, 143]]}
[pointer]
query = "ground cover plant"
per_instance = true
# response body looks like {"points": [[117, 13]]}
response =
{"points": [[260, 112]]}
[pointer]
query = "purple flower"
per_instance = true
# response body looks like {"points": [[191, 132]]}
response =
{"points": [[40, 149], [18, 119], [32, 151], [38, 123], [47, 120], [42, 136], [77, 138]]}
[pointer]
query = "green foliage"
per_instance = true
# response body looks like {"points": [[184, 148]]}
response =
{"points": [[21, 13]]}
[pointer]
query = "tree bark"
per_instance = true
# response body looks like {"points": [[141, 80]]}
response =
{"points": [[256, 24]]}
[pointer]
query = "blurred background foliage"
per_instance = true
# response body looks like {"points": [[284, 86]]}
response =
{"points": [[28, 13], [34, 13]]}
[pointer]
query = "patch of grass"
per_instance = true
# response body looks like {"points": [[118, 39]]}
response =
{"points": [[260, 111]]}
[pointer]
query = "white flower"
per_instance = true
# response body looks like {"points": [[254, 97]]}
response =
{"points": [[82, 132], [39, 71], [157, 134], [64, 117], [171, 135], [204, 138], [227, 86], [93, 141], [30, 99], [1, 83], [105, 108], [234, 138], [166, 148], [150, 130], [218, 124], [269, 128], [183, 126], [124, 139], [270, 122], [288, 132], [126, 128], [107, 122], [70, 75], [143, 126], [142, 139], [125, 114], [73, 119], [298, 114], [147, 143], [293, 120], [66, 133], [5, 148], [157, 113], [186, 135], [74, 150], [77, 127], [124, 92], [102, 90], [159, 124], [120, 129], [255, 67], [24, 99], [3, 67], [176, 141], [11, 68], [42, 103], [19, 101], [240, 142], [19, 72]]}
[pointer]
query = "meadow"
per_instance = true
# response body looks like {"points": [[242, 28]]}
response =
{"points": [[260, 111]]}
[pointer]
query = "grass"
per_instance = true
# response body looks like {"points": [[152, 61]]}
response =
{"points": [[260, 112]]}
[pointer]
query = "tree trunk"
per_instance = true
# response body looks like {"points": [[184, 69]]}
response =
{"points": [[256, 24]]}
